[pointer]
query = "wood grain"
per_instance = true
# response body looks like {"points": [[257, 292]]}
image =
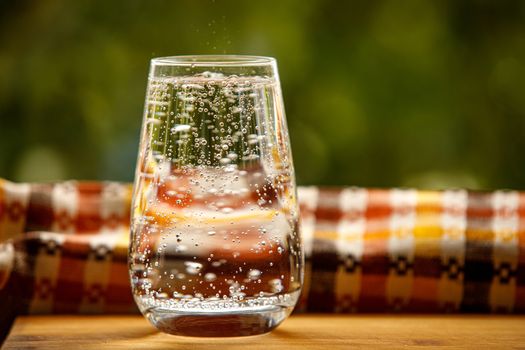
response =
{"points": [[298, 332]]}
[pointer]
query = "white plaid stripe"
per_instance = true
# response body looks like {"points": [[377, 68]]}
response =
{"points": [[64, 199]]}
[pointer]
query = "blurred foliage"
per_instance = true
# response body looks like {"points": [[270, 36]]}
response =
{"points": [[377, 93]]}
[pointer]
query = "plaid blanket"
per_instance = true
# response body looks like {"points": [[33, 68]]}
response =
{"points": [[64, 249]]}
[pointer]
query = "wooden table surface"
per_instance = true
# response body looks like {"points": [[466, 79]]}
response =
{"points": [[298, 332]]}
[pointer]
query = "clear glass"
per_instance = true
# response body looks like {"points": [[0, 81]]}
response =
{"points": [[215, 248]]}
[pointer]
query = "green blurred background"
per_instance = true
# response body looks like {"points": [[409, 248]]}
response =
{"points": [[378, 93]]}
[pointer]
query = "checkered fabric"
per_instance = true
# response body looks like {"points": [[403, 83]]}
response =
{"points": [[65, 249]]}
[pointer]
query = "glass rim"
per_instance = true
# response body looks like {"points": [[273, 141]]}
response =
{"points": [[213, 60]]}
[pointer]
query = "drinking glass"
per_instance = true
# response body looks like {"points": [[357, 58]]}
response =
{"points": [[215, 247]]}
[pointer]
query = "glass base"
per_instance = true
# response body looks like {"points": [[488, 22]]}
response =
{"points": [[224, 324], [221, 322]]}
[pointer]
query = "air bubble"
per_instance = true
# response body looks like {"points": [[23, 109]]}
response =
{"points": [[276, 285], [210, 277], [192, 267], [180, 128], [254, 274]]}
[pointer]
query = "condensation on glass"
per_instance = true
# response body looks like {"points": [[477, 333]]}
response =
{"points": [[215, 247]]}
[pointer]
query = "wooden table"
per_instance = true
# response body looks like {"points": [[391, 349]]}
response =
{"points": [[298, 332]]}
